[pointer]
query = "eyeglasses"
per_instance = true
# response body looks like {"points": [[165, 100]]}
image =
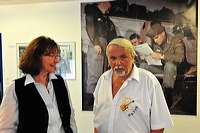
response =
{"points": [[53, 56]]}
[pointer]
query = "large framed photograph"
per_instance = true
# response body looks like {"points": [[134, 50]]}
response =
{"points": [[66, 66], [133, 16], [1, 71]]}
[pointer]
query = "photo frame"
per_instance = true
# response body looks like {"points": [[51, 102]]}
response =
{"points": [[132, 16], [66, 67], [20, 50], [1, 71]]}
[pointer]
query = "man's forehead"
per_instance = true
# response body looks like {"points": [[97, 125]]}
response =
{"points": [[118, 49], [134, 39], [155, 37]]}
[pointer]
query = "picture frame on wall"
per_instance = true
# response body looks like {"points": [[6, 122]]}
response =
{"points": [[1, 72], [132, 16], [66, 67], [20, 50]]}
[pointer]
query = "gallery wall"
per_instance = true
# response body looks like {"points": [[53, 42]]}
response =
{"points": [[61, 21]]}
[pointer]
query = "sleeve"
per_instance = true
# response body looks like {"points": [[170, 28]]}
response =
{"points": [[90, 26], [101, 30], [95, 105], [160, 115], [72, 119], [95, 94], [178, 49], [9, 111], [95, 28]]}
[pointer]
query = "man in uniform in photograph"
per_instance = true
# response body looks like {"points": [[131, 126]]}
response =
{"points": [[171, 50], [101, 30], [135, 40]]}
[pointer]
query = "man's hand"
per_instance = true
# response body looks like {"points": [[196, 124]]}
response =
{"points": [[142, 57], [155, 55], [97, 49], [95, 130]]}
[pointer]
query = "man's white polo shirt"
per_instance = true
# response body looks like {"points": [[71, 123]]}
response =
{"points": [[138, 106]]}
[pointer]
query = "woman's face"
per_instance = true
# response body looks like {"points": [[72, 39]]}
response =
{"points": [[49, 62]]}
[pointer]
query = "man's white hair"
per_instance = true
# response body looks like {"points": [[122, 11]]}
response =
{"points": [[122, 42]]}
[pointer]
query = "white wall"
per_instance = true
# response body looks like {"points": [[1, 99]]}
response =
{"points": [[60, 21]]}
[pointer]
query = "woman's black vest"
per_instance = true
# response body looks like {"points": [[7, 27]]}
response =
{"points": [[33, 114]]}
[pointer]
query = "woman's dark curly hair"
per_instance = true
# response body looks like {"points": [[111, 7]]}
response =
{"points": [[30, 61]]}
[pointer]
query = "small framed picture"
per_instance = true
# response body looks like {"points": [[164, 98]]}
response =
{"points": [[66, 66], [20, 50]]}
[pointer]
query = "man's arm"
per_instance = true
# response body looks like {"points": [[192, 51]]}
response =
{"points": [[157, 131], [176, 53], [90, 27], [95, 130], [156, 55]]}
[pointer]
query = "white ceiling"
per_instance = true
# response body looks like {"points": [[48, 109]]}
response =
{"points": [[12, 2]]}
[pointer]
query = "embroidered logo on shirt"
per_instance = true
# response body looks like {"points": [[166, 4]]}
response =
{"points": [[126, 103], [128, 107]]}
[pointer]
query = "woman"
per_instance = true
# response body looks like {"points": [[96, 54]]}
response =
{"points": [[39, 102]]}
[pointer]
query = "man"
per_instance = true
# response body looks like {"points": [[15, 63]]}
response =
{"points": [[189, 40], [128, 99], [135, 40], [100, 30], [170, 49]]}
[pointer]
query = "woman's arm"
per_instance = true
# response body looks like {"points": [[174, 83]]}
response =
{"points": [[95, 130], [9, 111]]}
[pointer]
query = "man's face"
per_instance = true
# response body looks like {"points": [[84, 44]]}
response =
{"points": [[120, 60], [135, 41], [159, 38]]}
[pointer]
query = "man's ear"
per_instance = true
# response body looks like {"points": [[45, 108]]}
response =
{"points": [[163, 33], [140, 40], [133, 61]]}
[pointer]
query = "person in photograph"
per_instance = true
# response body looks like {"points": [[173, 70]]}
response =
{"points": [[128, 99], [135, 40], [189, 40], [171, 50], [101, 30], [39, 101]]}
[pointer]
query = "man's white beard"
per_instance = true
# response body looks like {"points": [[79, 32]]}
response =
{"points": [[121, 73]]}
